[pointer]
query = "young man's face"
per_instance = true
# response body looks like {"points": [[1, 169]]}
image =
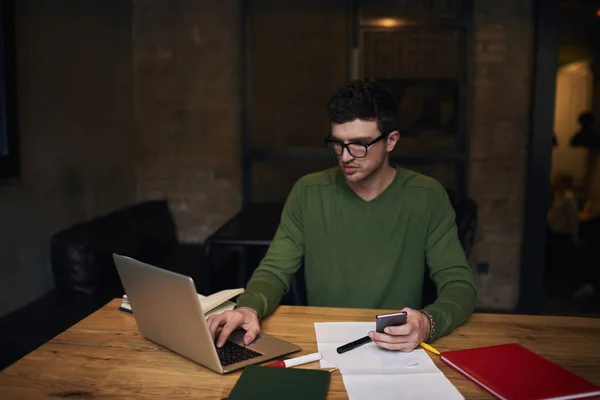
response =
{"points": [[358, 169]]}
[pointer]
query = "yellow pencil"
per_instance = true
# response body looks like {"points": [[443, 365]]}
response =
{"points": [[428, 347]]}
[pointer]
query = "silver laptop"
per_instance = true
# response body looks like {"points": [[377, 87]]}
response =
{"points": [[167, 310]]}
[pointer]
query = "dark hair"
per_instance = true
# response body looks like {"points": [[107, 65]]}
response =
{"points": [[365, 100], [586, 118]]}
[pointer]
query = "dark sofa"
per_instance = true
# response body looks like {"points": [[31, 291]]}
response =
{"points": [[82, 255], [85, 274]]}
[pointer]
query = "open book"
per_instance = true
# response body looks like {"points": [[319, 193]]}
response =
{"points": [[214, 304]]}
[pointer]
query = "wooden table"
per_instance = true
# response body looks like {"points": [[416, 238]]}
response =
{"points": [[104, 356]]}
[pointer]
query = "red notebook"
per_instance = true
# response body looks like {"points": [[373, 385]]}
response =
{"points": [[511, 371]]}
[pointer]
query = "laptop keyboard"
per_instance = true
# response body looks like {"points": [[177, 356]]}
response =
{"points": [[232, 353]]}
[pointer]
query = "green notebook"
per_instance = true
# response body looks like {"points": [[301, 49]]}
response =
{"points": [[266, 383]]}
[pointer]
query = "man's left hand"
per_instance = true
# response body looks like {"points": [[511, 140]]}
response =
{"points": [[404, 337]]}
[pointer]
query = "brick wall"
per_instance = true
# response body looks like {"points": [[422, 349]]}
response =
{"points": [[499, 139], [187, 109], [110, 115]]}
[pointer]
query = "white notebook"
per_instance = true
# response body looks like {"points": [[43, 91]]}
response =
{"points": [[214, 304]]}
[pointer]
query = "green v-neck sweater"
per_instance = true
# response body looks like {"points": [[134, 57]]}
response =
{"points": [[367, 254]]}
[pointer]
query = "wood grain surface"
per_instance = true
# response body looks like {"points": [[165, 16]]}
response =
{"points": [[105, 357]]}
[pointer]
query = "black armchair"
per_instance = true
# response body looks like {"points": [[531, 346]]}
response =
{"points": [[466, 224]]}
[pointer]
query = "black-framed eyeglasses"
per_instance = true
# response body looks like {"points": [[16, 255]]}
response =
{"points": [[355, 149]]}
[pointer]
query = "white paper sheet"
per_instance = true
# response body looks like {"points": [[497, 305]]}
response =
{"points": [[368, 357], [394, 387], [370, 372]]}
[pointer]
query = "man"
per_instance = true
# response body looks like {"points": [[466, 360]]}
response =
{"points": [[365, 232]]}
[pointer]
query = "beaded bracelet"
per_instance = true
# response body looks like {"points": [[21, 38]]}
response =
{"points": [[431, 326]]}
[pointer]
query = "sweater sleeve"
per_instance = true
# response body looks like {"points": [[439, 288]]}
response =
{"points": [[271, 279], [449, 269]]}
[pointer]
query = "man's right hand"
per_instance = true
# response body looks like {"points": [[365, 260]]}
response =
{"points": [[244, 317]]}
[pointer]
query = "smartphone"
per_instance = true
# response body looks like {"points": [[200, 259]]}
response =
{"points": [[394, 319]]}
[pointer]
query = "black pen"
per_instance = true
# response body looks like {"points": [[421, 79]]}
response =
{"points": [[353, 345]]}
